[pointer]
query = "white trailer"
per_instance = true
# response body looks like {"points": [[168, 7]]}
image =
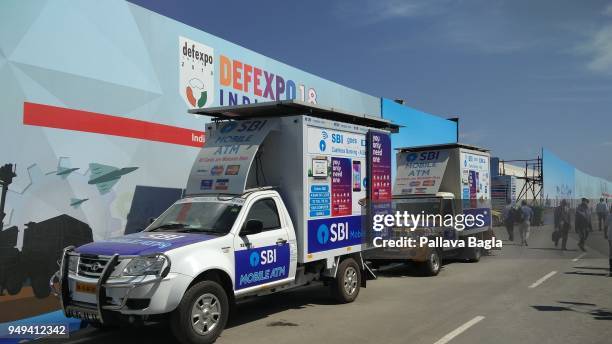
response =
{"points": [[273, 201]]}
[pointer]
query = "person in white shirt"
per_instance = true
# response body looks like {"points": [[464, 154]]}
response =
{"points": [[602, 213]]}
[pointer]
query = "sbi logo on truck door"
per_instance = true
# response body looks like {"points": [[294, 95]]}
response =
{"points": [[335, 232], [261, 265]]}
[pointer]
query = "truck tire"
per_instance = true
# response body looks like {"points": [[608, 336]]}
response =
{"points": [[433, 264], [40, 284], [14, 284], [345, 286], [473, 254], [207, 302]]}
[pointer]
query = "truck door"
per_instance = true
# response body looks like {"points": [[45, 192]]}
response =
{"points": [[262, 251]]}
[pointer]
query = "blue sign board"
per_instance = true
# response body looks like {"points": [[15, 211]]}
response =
{"points": [[319, 200], [336, 232], [261, 265]]}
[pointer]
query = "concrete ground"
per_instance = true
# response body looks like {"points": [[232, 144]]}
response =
{"points": [[534, 294]]}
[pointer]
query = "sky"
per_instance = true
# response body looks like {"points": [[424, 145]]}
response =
{"points": [[520, 74]]}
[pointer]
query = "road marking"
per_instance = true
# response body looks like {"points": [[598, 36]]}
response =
{"points": [[577, 258], [459, 330], [541, 280]]}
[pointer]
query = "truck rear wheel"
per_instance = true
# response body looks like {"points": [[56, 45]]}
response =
{"points": [[202, 314], [431, 267], [345, 287], [473, 254]]}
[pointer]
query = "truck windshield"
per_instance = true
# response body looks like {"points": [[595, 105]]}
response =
{"points": [[203, 217]]}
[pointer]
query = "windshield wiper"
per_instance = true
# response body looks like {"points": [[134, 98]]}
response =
{"points": [[168, 226], [199, 230]]}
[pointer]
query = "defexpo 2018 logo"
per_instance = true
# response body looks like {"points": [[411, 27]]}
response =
{"points": [[244, 83], [196, 73]]}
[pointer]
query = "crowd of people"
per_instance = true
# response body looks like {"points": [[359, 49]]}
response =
{"points": [[522, 216]]}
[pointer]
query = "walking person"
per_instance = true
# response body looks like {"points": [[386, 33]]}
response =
{"points": [[609, 237], [602, 214], [526, 213], [562, 224], [582, 222], [509, 220]]}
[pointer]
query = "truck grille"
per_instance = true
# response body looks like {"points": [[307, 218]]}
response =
{"points": [[91, 267]]}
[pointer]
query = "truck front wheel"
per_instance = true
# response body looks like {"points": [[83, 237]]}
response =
{"points": [[345, 287], [202, 314]]}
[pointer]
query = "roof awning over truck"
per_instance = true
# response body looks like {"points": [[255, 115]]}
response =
{"points": [[294, 107]]}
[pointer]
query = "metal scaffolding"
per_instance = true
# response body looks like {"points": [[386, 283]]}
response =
{"points": [[532, 176]]}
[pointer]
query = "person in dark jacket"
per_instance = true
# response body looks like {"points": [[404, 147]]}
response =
{"points": [[508, 215], [582, 222], [562, 224]]}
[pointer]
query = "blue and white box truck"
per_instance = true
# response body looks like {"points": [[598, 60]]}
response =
{"points": [[273, 202], [449, 182]]}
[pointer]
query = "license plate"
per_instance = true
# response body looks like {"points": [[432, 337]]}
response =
{"points": [[80, 314], [85, 288]]}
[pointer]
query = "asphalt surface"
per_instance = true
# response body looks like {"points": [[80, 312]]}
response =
{"points": [[534, 294]]}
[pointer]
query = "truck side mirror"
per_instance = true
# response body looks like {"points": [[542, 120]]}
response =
{"points": [[252, 227]]}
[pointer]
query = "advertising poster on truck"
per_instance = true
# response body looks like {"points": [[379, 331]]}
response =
{"points": [[475, 178], [336, 185], [222, 166], [420, 172], [379, 176]]}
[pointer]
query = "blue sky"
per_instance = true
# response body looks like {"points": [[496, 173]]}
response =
{"points": [[520, 74]]}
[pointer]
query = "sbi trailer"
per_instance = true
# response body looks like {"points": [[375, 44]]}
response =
{"points": [[449, 185], [275, 200]]}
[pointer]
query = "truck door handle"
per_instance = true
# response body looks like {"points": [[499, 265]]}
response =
{"points": [[281, 241]]}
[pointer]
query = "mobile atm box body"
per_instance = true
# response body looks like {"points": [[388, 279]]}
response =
{"points": [[273, 201], [449, 179]]}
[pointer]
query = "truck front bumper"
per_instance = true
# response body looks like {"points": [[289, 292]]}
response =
{"points": [[139, 295]]}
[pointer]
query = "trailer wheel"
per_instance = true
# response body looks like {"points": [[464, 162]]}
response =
{"points": [[201, 315], [345, 286], [433, 264]]}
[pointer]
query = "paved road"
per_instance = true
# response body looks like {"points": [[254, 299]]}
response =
{"points": [[534, 294]]}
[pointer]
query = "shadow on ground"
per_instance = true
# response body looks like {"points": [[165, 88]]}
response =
{"points": [[588, 309]]}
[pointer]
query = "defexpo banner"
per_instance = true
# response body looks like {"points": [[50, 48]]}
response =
{"points": [[103, 141]]}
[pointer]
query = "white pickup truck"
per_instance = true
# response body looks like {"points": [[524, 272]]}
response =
{"points": [[231, 237]]}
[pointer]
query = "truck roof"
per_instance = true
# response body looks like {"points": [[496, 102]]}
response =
{"points": [[442, 146], [283, 108]]}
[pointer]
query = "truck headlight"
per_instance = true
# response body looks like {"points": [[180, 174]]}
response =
{"points": [[146, 265], [73, 262]]}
